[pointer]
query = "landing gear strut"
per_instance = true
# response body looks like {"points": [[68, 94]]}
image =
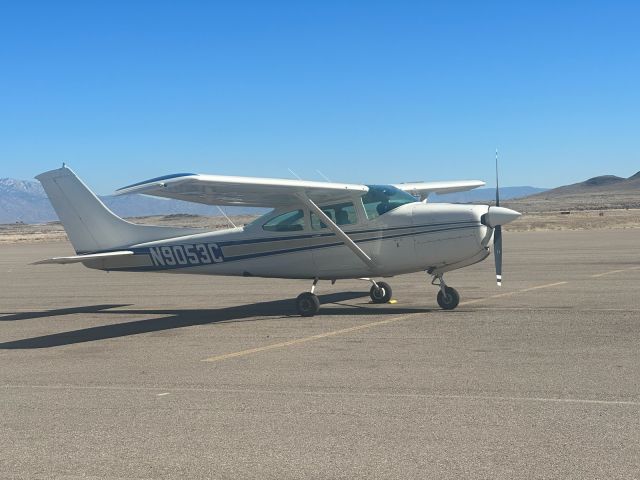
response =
{"points": [[448, 297], [308, 303]]}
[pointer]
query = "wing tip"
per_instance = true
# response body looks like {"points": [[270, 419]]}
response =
{"points": [[152, 181]]}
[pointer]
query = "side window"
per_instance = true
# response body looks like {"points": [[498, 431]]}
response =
{"points": [[287, 222], [340, 214], [381, 199], [370, 208]]}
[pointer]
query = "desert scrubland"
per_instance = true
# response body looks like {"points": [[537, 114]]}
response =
{"points": [[532, 220]]}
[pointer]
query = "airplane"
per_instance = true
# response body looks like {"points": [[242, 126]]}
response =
{"points": [[315, 231]]}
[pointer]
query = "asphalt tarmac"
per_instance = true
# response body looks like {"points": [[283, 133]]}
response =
{"points": [[123, 375]]}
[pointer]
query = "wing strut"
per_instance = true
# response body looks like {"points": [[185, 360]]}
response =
{"points": [[338, 231]]}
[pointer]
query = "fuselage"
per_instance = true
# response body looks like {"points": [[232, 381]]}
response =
{"points": [[411, 237]]}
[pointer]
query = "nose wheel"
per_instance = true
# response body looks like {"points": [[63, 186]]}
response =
{"points": [[448, 297]]}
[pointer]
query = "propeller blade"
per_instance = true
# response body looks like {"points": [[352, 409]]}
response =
{"points": [[497, 233], [497, 252], [497, 187]]}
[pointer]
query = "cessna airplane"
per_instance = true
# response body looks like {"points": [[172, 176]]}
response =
{"points": [[316, 231]]}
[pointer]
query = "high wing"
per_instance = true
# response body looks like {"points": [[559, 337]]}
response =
{"points": [[244, 191], [423, 189]]}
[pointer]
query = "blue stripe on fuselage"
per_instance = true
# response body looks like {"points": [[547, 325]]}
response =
{"points": [[174, 259], [331, 234]]}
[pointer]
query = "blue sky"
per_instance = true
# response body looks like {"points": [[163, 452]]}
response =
{"points": [[368, 91]]}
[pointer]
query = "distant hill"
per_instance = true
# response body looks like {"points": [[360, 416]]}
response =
{"points": [[25, 201], [603, 192], [603, 183], [485, 194]]}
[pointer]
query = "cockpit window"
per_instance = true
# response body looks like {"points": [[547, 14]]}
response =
{"points": [[287, 222], [381, 199]]}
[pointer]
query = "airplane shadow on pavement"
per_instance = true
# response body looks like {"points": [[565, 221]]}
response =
{"points": [[10, 317], [179, 318]]}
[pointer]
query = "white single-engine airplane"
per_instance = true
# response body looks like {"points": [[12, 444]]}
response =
{"points": [[316, 231]]}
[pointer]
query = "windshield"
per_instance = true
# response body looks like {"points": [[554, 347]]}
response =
{"points": [[381, 199]]}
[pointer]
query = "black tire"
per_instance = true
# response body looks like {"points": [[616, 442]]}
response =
{"points": [[450, 300], [307, 304], [382, 294]]}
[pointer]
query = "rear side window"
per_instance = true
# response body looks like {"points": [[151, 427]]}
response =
{"points": [[287, 222], [341, 214]]}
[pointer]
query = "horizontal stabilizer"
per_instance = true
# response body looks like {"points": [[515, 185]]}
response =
{"points": [[83, 258]]}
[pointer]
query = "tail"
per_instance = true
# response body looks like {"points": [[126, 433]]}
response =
{"points": [[90, 225]]}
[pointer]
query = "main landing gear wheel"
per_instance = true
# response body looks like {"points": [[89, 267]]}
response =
{"points": [[449, 299], [308, 304], [380, 292]]}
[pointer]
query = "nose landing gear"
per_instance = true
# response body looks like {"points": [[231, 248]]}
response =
{"points": [[448, 297]]}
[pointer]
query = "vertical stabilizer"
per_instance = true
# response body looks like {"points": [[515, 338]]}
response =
{"points": [[90, 225]]}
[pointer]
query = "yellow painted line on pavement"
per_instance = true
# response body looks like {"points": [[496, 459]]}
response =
{"points": [[289, 393], [508, 294], [596, 275], [298, 341]]}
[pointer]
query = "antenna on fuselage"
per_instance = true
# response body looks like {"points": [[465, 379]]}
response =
{"points": [[323, 175], [294, 174], [225, 216]]}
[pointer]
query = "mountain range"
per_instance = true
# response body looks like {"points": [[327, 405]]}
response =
{"points": [[597, 193], [603, 183], [486, 195], [25, 201]]}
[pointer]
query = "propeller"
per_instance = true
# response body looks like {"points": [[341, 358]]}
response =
{"points": [[495, 217], [497, 234]]}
